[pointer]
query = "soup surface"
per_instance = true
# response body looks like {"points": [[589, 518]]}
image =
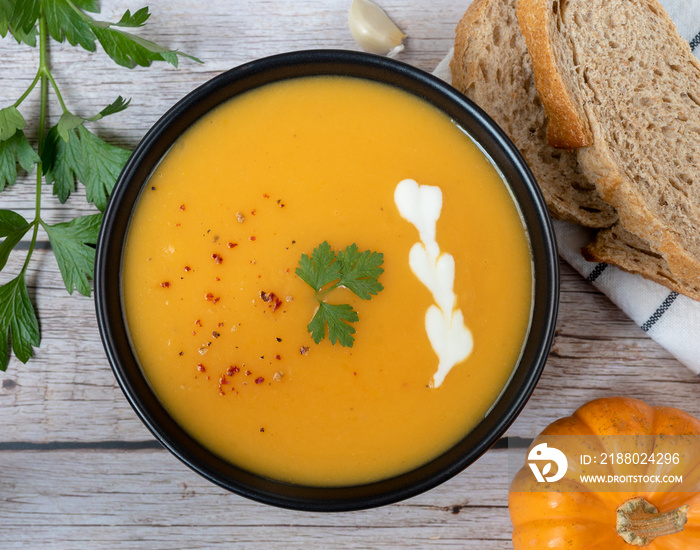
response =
{"points": [[218, 316]]}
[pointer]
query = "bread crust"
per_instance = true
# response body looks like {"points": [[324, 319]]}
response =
{"points": [[567, 128]]}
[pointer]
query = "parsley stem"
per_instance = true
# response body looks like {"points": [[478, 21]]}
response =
{"points": [[45, 76], [28, 90], [321, 294], [48, 74], [43, 70]]}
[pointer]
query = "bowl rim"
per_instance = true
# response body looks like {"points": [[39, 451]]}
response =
{"points": [[494, 143]]}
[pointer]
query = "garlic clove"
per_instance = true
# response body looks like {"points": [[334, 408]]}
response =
{"points": [[373, 30]]}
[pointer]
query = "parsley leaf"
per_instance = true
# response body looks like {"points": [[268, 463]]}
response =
{"points": [[349, 268], [11, 120], [102, 164], [360, 271], [61, 162], [63, 18], [12, 228], [25, 14], [66, 19], [18, 322], [13, 151], [69, 121], [71, 245], [320, 269], [338, 319], [138, 19], [85, 157], [5, 15], [116, 106], [19, 20]]}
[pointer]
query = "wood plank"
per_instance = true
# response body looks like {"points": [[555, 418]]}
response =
{"points": [[67, 499]]}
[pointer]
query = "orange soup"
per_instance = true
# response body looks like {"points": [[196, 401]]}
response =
{"points": [[219, 316]]}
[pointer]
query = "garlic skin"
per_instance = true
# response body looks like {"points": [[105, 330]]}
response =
{"points": [[372, 29]]}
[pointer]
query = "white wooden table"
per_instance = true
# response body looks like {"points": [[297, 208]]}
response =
{"points": [[77, 467]]}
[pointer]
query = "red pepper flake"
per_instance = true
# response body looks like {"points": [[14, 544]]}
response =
{"points": [[182, 207], [251, 238], [233, 369], [165, 284], [266, 196], [201, 367], [223, 381], [247, 372], [271, 298], [211, 298], [217, 258], [259, 380], [188, 268], [198, 323], [278, 357], [253, 211], [231, 245], [178, 224], [215, 334], [262, 430]]}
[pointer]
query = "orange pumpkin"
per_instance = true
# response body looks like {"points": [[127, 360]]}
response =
{"points": [[575, 514]]}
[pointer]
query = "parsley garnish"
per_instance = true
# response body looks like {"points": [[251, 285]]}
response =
{"points": [[66, 154], [327, 270]]}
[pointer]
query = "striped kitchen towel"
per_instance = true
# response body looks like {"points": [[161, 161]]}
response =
{"points": [[671, 319]]}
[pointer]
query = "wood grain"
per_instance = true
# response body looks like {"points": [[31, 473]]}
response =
{"points": [[77, 467]]}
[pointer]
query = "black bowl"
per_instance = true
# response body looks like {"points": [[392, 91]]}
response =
{"points": [[492, 141]]}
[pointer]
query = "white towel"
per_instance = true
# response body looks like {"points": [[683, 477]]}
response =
{"points": [[671, 319]]}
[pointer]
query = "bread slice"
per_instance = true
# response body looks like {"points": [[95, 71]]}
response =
{"points": [[615, 75], [492, 67], [618, 247]]}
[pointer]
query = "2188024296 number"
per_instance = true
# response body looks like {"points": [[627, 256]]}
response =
{"points": [[634, 458]]}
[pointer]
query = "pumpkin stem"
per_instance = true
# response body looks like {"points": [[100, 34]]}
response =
{"points": [[639, 522]]}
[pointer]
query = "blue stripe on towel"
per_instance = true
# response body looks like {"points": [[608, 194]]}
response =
{"points": [[651, 321], [695, 42], [597, 272]]}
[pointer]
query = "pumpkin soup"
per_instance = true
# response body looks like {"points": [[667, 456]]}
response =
{"points": [[221, 316]]}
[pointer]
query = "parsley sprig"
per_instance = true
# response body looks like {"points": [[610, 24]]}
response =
{"points": [[66, 153], [327, 270]]}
